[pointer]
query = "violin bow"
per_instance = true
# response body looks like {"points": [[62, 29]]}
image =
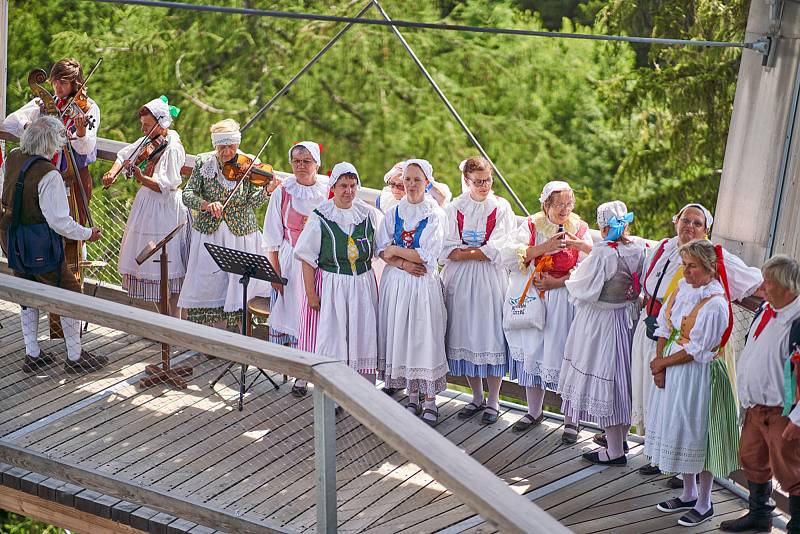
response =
{"points": [[246, 172], [138, 148], [83, 85]]}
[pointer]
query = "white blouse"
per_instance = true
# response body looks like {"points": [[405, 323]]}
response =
{"points": [[475, 216], [167, 172], [432, 237], [600, 266], [20, 119], [712, 320], [305, 198], [310, 240]]}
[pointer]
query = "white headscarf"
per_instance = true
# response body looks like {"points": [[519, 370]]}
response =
{"points": [[311, 146], [553, 187], [708, 216], [608, 210], [226, 138], [398, 168], [424, 164], [160, 111], [343, 168]]}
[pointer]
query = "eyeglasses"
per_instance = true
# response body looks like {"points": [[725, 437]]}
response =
{"points": [[689, 222], [398, 186], [303, 162], [481, 183], [562, 206]]}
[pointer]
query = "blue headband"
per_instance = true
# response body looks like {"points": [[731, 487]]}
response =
{"points": [[617, 226]]}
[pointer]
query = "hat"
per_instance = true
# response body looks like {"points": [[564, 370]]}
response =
{"points": [[708, 216], [343, 168], [424, 164], [613, 215], [162, 111]]}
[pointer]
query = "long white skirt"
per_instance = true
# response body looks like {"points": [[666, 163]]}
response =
{"points": [[535, 356], [411, 331], [473, 293], [152, 217], [346, 326], [284, 317], [642, 353], [206, 285], [677, 419]]}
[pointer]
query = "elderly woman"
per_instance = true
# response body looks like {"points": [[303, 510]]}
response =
{"points": [[289, 208], [395, 189], [412, 318], [663, 271], [157, 207], [211, 295], [478, 223], [340, 312], [595, 381], [692, 387], [559, 238]]}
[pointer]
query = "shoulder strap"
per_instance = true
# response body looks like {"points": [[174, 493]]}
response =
{"points": [[723, 278], [20, 187], [460, 222], [655, 259], [491, 221]]}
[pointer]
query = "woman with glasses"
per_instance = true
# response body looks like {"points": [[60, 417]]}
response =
{"points": [[662, 273], [288, 210], [478, 223], [339, 318], [556, 239]]}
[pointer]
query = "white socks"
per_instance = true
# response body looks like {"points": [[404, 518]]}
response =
{"points": [[476, 383], [429, 405], [535, 397], [689, 487], [30, 331], [615, 440], [72, 336], [298, 382], [704, 494], [494, 383]]}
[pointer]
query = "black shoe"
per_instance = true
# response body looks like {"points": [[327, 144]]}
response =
{"points": [[87, 363], [601, 440], [675, 505], [390, 391], [594, 457], [693, 517], [299, 391], [490, 416], [747, 523], [759, 515], [34, 364], [469, 410], [648, 470], [675, 482], [527, 421], [568, 438]]}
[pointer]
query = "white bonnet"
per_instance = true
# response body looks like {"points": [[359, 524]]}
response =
{"points": [[311, 146], [553, 187]]}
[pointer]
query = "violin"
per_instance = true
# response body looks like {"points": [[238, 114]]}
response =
{"points": [[148, 149], [243, 167], [77, 106]]}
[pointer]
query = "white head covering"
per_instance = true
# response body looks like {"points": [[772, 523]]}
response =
{"points": [[398, 168], [709, 217], [160, 111], [311, 146], [552, 187], [226, 138], [607, 211], [424, 164], [343, 168]]}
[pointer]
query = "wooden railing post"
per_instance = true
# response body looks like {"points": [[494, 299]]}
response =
{"points": [[325, 461]]}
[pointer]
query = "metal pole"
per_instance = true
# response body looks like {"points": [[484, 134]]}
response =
{"points": [[325, 461], [3, 72], [305, 68], [452, 110]]}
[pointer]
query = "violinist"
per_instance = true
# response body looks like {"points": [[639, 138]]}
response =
{"points": [[155, 162], [212, 296], [66, 78], [43, 203]]}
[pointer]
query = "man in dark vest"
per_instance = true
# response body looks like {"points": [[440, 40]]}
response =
{"points": [[44, 200]]}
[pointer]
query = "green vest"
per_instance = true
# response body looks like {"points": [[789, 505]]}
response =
{"points": [[346, 254]]}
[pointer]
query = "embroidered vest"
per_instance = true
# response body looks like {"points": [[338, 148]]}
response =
{"points": [[346, 254], [473, 238], [689, 320], [293, 221], [407, 238]]}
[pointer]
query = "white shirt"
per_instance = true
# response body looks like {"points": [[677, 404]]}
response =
{"points": [[474, 230], [432, 236], [305, 198], [53, 202], [167, 171], [20, 119], [759, 371]]}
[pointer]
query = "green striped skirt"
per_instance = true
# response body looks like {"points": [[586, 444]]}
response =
{"points": [[722, 452]]}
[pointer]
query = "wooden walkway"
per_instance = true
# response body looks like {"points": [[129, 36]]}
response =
{"points": [[260, 462]]}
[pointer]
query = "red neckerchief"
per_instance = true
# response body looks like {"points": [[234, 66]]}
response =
{"points": [[766, 316]]}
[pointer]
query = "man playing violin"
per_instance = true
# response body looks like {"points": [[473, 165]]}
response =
{"points": [[66, 78], [154, 161]]}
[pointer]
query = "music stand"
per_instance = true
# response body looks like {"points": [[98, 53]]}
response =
{"points": [[249, 266], [163, 374]]}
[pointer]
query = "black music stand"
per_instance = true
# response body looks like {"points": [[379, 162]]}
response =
{"points": [[248, 266]]}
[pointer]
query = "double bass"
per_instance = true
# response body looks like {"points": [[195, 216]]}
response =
{"points": [[77, 182]]}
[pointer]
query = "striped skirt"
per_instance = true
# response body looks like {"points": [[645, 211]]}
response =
{"points": [[722, 454]]}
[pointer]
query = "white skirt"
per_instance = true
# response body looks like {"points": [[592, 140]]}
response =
{"points": [[411, 326], [537, 354], [642, 353], [284, 317], [206, 285], [152, 217], [473, 294]]}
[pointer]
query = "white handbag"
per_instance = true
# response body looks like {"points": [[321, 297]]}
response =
{"points": [[523, 306]]}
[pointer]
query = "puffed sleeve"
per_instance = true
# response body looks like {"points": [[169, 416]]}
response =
{"points": [[167, 173], [742, 279], [127, 151], [309, 242], [587, 238], [712, 320], [432, 239], [505, 226], [452, 240], [193, 192], [512, 253], [16, 122], [384, 236], [587, 280], [84, 145], [273, 222]]}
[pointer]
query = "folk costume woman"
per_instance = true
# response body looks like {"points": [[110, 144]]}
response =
{"points": [[394, 190], [289, 208], [211, 295], [554, 239], [691, 416], [340, 312], [595, 381], [157, 207], [663, 271], [478, 223], [412, 315]]}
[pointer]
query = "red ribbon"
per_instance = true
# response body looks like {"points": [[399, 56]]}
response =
{"points": [[723, 278], [766, 316]]}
